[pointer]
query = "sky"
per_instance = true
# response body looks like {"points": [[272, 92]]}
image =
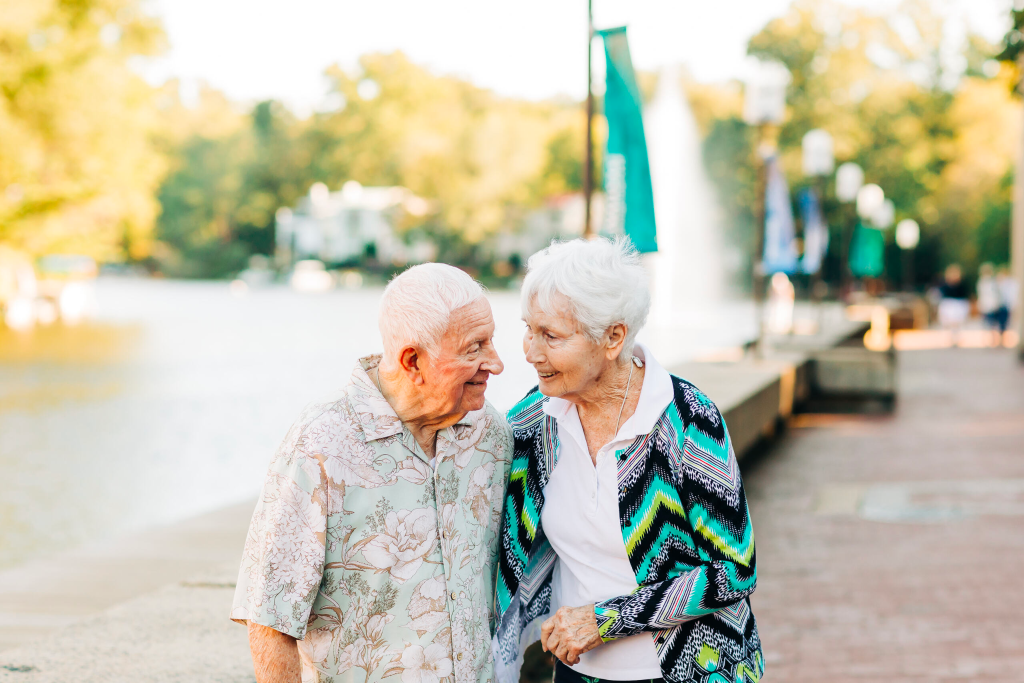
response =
{"points": [[536, 49]]}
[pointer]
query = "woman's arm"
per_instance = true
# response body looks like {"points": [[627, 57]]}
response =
{"points": [[719, 521]]}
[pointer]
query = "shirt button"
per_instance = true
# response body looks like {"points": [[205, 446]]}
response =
{"points": [[459, 656], [453, 595]]}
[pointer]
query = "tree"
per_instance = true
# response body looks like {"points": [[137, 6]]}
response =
{"points": [[482, 160], [938, 142], [77, 162]]}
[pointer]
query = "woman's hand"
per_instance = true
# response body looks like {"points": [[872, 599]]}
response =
{"points": [[570, 633]]}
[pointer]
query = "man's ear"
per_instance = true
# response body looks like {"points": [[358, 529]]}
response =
{"points": [[616, 337], [409, 359]]}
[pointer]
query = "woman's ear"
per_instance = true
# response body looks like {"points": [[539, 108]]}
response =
{"points": [[616, 337]]}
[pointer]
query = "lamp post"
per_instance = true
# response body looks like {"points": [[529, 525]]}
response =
{"points": [[818, 161], [588, 164], [908, 234], [764, 106], [884, 215], [849, 180], [870, 199]]}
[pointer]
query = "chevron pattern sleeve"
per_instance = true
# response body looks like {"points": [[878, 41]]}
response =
{"points": [[684, 521]]}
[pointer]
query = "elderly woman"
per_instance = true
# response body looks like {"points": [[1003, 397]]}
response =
{"points": [[626, 543]]}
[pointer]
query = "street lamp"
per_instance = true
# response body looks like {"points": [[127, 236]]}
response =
{"points": [[764, 96], [870, 200], [818, 157], [908, 234], [819, 161], [884, 215], [764, 105], [849, 180]]}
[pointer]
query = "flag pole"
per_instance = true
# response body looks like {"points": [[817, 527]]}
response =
{"points": [[588, 167]]}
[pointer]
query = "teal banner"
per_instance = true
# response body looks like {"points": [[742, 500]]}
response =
{"points": [[867, 253], [628, 197]]}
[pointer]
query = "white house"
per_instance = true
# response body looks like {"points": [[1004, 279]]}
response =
{"points": [[560, 218], [350, 224]]}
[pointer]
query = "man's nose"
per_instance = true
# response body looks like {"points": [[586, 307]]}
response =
{"points": [[492, 363]]}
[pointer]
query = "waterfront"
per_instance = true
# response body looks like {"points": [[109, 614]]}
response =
{"points": [[170, 401]]}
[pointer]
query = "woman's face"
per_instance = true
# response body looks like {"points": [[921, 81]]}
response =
{"points": [[567, 361]]}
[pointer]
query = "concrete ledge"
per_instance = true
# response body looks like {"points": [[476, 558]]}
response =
{"points": [[753, 395]]}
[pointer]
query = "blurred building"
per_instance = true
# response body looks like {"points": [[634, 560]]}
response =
{"points": [[561, 218], [351, 225]]}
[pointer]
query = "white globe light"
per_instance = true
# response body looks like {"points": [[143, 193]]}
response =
{"points": [[849, 179], [885, 215], [368, 89], [764, 99], [908, 233], [818, 157], [870, 199]]}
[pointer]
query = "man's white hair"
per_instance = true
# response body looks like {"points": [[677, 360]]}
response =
{"points": [[602, 279], [417, 306]]}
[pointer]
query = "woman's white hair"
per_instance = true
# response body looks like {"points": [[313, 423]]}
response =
{"points": [[417, 306], [602, 279]]}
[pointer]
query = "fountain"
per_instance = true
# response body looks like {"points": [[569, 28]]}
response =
{"points": [[688, 273]]}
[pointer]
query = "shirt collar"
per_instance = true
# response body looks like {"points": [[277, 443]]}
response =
{"points": [[656, 394], [376, 416]]}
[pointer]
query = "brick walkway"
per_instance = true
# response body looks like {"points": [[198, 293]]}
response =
{"points": [[932, 593]]}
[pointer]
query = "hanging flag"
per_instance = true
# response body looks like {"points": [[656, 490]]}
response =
{"points": [[628, 197], [815, 231], [867, 253], [779, 231]]}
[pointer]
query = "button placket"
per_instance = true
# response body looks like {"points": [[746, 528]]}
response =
{"points": [[443, 535]]}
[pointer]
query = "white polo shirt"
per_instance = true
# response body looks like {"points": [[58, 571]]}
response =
{"points": [[581, 521]]}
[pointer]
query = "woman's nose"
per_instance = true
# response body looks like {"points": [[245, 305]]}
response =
{"points": [[533, 354]]}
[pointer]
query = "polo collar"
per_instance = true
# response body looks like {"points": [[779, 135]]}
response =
{"points": [[655, 395]]}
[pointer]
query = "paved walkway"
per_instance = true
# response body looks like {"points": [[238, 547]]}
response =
{"points": [[890, 549]]}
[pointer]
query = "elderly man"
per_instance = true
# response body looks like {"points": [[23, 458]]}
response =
{"points": [[373, 548]]}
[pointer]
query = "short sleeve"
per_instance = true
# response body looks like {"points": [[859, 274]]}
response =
{"points": [[283, 561]]}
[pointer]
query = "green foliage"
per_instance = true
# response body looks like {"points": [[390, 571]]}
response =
{"points": [[78, 168], [940, 153], [481, 159]]}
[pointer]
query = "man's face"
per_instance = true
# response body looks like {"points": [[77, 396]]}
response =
{"points": [[455, 375]]}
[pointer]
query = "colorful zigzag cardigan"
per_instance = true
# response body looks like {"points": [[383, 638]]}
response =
{"points": [[687, 533]]}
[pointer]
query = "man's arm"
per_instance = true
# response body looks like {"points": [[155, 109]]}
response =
{"points": [[275, 655]]}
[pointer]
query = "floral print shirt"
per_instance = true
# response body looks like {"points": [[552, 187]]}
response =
{"points": [[381, 565]]}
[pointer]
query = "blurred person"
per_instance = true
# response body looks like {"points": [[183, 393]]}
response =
{"points": [[626, 543], [990, 301], [373, 548], [781, 301], [954, 302], [1008, 291]]}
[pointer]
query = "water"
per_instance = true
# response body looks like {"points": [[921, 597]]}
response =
{"points": [[172, 400]]}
